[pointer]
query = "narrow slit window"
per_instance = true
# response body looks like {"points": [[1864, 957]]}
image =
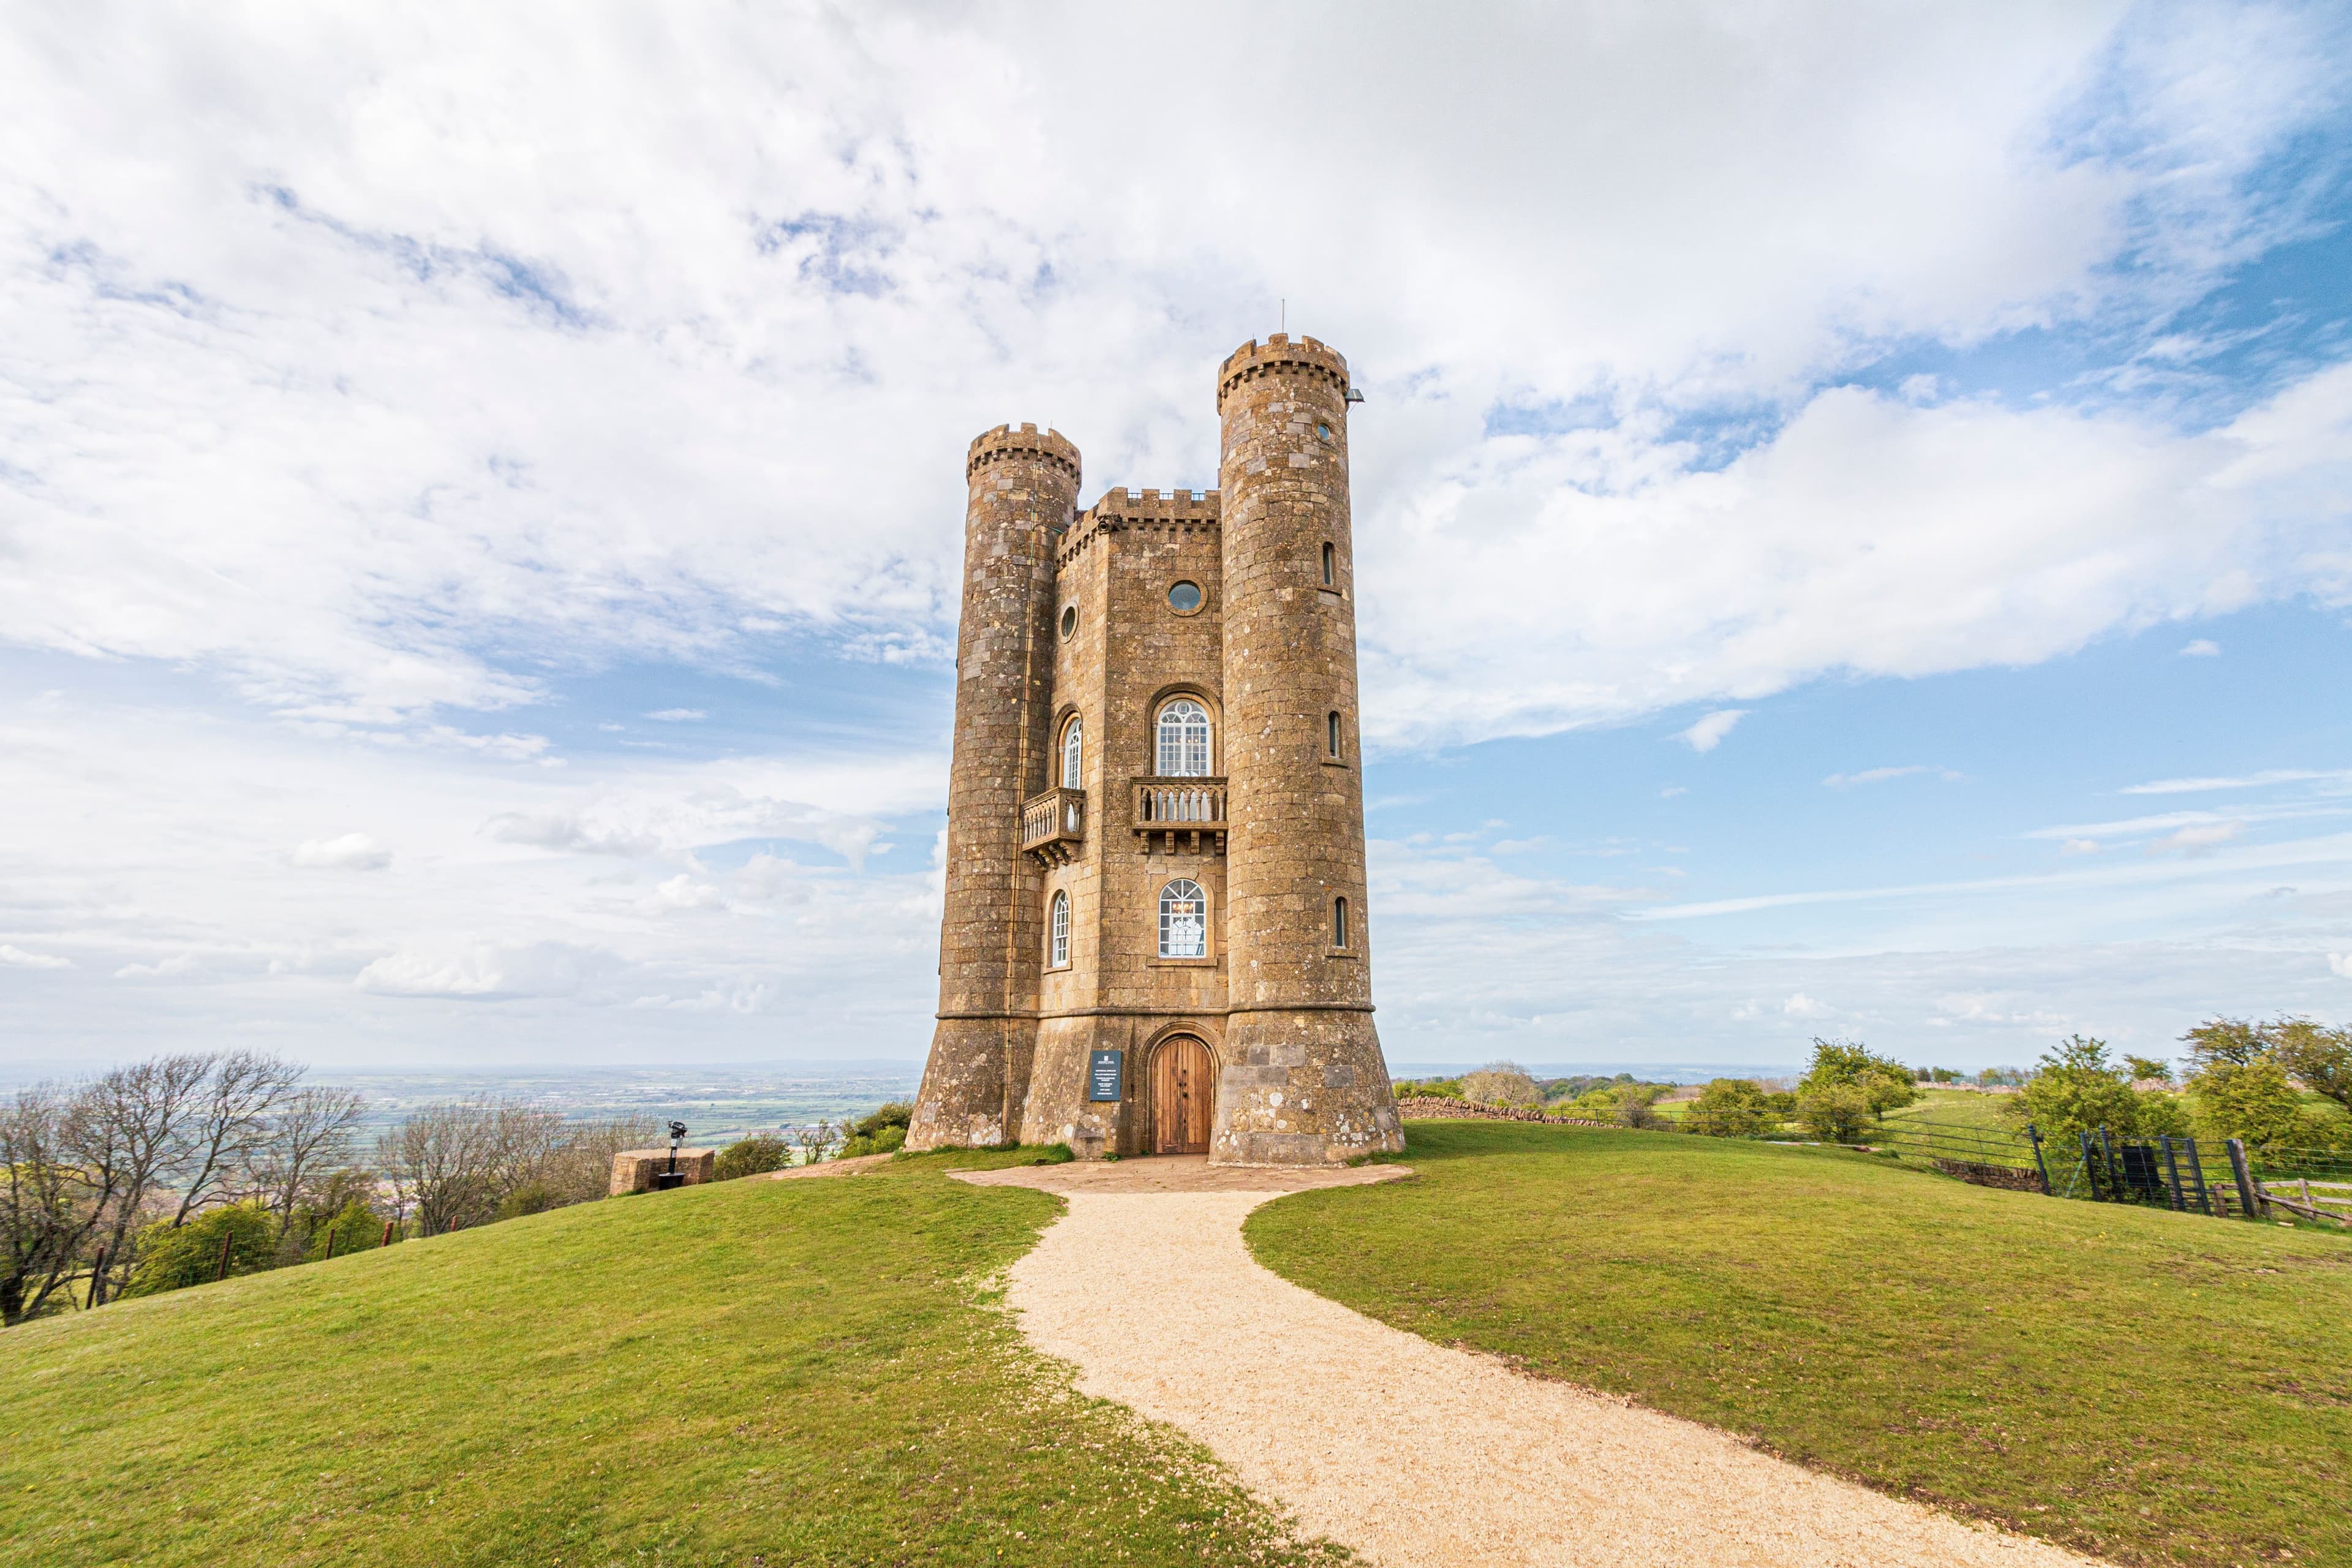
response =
{"points": [[1330, 567], [1073, 739], [1338, 923], [1184, 919], [1331, 732], [1060, 946]]}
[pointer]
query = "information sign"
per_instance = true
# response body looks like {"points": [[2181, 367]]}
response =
{"points": [[1103, 1075]]}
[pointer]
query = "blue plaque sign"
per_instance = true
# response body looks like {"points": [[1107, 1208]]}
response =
{"points": [[1103, 1074]]}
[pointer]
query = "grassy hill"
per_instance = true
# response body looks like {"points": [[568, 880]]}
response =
{"points": [[756, 1373], [2155, 1386]]}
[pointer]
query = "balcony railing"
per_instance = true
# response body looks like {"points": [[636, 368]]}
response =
{"points": [[1180, 815], [1054, 825]]}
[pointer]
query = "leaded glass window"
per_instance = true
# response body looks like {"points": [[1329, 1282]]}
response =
{"points": [[1184, 919], [1184, 740], [1074, 754], [1061, 945]]}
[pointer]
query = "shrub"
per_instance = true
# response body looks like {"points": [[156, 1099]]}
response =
{"points": [[532, 1197], [174, 1258], [751, 1156], [1501, 1083], [883, 1133], [1728, 1107], [1835, 1113]]}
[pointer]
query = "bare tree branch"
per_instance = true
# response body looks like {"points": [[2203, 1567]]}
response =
{"points": [[243, 1088]]}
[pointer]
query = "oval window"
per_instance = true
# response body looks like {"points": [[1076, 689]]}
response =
{"points": [[1324, 431], [1184, 598], [1069, 622]]}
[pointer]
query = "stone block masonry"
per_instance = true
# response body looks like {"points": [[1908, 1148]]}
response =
{"points": [[634, 1170], [1178, 669]]}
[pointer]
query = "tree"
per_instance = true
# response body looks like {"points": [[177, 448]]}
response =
{"points": [[146, 1109], [1835, 1113], [883, 1131], [49, 1206], [2145, 1068], [2252, 1100], [2075, 1089], [1728, 1107], [1884, 1084], [230, 1118], [2320, 1057], [306, 1143], [2216, 1040], [1501, 1083], [444, 1164]]}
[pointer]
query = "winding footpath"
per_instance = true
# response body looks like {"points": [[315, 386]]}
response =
{"points": [[1409, 1453]]}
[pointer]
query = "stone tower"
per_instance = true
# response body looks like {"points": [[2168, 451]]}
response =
{"points": [[1155, 937]]}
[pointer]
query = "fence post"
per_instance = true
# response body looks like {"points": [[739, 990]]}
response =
{"points": [[2090, 1163], [227, 1237], [2034, 1133], [330, 1245], [2171, 1169], [387, 1234], [2243, 1177]]}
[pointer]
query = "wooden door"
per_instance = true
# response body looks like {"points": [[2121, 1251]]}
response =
{"points": [[1184, 1094]]}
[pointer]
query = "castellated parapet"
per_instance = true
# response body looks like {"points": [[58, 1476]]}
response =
{"points": [[1155, 935]]}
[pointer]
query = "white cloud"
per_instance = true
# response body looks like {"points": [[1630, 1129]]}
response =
{"points": [[1671, 791], [678, 715], [1880, 775], [2200, 839], [2247, 781], [2341, 963], [1803, 1006], [179, 966], [487, 973], [2079, 847], [17, 957], [350, 852], [2202, 647], [1709, 731]]}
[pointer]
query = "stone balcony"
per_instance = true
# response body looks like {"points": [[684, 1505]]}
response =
{"points": [[1054, 825], [1179, 816]]}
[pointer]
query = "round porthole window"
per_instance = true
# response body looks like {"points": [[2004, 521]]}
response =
{"points": [[1324, 431], [1069, 622], [1184, 598]]}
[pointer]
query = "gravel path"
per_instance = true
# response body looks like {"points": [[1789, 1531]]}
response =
{"points": [[1409, 1453]]}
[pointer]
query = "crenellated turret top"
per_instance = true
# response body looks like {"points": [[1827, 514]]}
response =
{"points": [[1004, 442], [1278, 353]]}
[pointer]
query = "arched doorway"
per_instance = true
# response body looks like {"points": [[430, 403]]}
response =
{"points": [[1184, 1093]]}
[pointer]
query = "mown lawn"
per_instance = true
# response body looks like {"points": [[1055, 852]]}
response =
{"points": [[755, 1372], [2154, 1387]]}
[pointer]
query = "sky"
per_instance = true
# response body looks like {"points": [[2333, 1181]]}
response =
{"points": [[1852, 505]]}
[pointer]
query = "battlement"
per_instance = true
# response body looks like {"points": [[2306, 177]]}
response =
{"points": [[1005, 443], [1281, 354], [1120, 508]]}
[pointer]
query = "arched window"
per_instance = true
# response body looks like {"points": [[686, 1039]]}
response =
{"points": [[1184, 919], [1338, 923], [1073, 749], [1330, 567], [1184, 740], [1060, 949], [1331, 732]]}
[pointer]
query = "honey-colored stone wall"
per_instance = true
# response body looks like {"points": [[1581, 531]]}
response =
{"points": [[634, 1170], [1023, 496], [1271, 651], [1301, 1076]]}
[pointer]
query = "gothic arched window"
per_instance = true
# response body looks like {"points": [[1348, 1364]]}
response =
{"points": [[1073, 746], [1184, 919], [1184, 740], [1060, 950]]}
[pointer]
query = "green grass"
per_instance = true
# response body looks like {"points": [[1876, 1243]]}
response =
{"points": [[1959, 1108], [2155, 1386], [754, 1373]]}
